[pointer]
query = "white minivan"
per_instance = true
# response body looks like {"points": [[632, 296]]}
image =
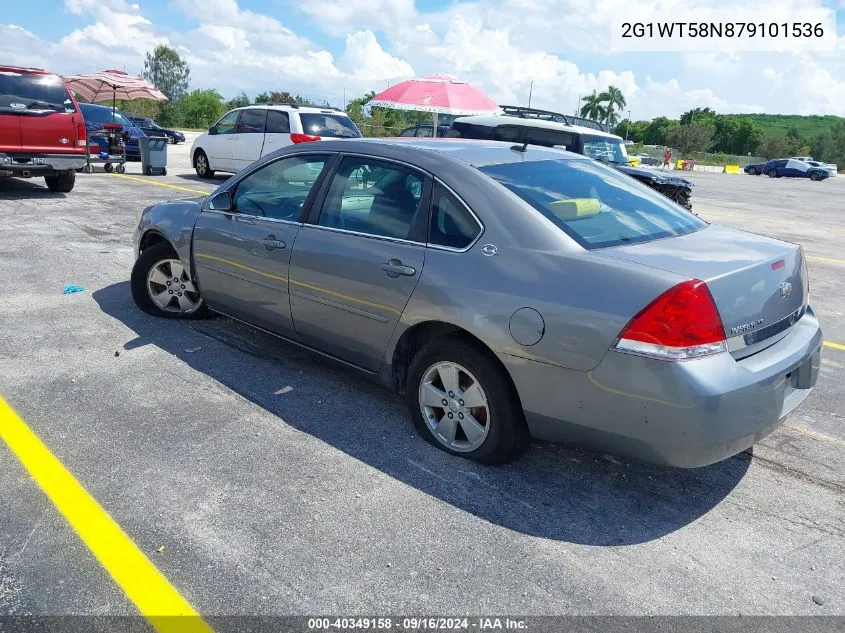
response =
{"points": [[244, 135]]}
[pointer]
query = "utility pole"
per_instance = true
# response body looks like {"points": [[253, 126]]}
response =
{"points": [[578, 105], [628, 127], [530, 92]]}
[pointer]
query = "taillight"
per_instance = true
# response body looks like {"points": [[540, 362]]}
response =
{"points": [[681, 323], [805, 275], [303, 138], [81, 133]]}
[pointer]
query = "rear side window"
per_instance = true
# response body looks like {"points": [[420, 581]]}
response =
{"points": [[550, 138], [509, 133], [461, 129], [29, 91], [451, 224], [277, 122], [329, 125], [594, 204]]}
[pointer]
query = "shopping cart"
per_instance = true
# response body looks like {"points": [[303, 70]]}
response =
{"points": [[108, 148]]}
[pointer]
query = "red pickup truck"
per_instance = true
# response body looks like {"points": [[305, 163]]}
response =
{"points": [[42, 131]]}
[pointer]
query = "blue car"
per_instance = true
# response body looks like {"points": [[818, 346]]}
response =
{"points": [[791, 168], [96, 116]]}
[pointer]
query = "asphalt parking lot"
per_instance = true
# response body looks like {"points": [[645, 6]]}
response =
{"points": [[260, 480]]}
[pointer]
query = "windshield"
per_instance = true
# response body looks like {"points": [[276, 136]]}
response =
{"points": [[20, 92], [595, 205], [605, 148], [330, 125], [98, 114]]}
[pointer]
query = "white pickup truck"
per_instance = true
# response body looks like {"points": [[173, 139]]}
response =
{"points": [[244, 135]]}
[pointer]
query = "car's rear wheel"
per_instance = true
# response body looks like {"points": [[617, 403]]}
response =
{"points": [[462, 402], [202, 165], [162, 286], [773, 173], [61, 183]]}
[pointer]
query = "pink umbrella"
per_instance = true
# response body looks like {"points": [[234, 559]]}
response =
{"points": [[438, 94], [112, 85]]}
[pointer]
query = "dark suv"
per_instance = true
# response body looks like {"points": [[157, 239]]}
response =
{"points": [[42, 132]]}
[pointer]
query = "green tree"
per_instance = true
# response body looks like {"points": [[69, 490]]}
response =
{"points": [[276, 96], [690, 138], [592, 107], [697, 115], [612, 100], [171, 74], [657, 129], [829, 146], [241, 101], [201, 108], [773, 146]]}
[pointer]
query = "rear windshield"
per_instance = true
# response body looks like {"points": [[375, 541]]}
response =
{"points": [[97, 114], [33, 92], [331, 125], [594, 204]]}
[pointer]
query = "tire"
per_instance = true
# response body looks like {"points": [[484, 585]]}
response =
{"points": [[814, 175], [773, 173], [171, 140], [162, 257], [108, 167], [164, 171], [149, 171], [87, 169], [121, 168], [202, 165], [61, 183], [502, 435]]}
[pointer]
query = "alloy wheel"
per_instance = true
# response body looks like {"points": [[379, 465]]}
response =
{"points": [[171, 289], [454, 406]]}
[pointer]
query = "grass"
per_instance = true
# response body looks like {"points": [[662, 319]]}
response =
{"points": [[809, 127]]}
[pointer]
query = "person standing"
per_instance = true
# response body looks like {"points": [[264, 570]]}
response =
{"points": [[666, 156]]}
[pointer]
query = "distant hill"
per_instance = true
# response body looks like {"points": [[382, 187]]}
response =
{"points": [[777, 124]]}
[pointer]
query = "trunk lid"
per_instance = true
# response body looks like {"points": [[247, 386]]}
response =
{"points": [[759, 284], [50, 133]]}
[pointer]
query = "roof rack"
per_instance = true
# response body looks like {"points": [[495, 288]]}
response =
{"points": [[547, 115], [299, 105]]}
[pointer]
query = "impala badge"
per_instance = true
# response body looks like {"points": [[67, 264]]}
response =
{"points": [[785, 289], [746, 327]]}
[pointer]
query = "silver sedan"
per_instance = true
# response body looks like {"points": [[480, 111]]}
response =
{"points": [[507, 291]]}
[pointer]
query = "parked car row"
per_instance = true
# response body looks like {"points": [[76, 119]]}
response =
{"points": [[791, 168]]}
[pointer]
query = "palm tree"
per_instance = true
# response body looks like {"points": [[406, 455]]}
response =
{"points": [[614, 100], [592, 108]]}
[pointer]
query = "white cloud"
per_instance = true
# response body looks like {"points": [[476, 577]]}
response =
{"points": [[366, 61], [339, 17]]}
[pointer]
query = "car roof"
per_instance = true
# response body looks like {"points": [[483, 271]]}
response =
{"points": [[473, 152], [290, 108], [494, 120], [24, 69]]}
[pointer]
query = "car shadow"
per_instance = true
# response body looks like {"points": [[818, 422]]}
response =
{"points": [[12, 188], [553, 492], [216, 180]]}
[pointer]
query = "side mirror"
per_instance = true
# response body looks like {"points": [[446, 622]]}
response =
{"points": [[212, 130], [221, 202]]}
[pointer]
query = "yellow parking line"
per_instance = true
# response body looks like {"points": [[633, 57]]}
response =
{"points": [[133, 572], [835, 345], [161, 184], [829, 260]]}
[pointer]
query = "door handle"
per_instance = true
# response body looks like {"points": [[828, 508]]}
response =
{"points": [[395, 267], [270, 242]]}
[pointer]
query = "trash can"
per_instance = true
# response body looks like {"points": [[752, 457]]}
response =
{"points": [[153, 155]]}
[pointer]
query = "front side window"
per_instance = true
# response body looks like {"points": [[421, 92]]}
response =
{"points": [[462, 129], [451, 224], [594, 204], [369, 196], [279, 189], [411, 131], [226, 125], [509, 133], [252, 121]]}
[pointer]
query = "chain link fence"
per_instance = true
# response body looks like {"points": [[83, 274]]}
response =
{"points": [[717, 159]]}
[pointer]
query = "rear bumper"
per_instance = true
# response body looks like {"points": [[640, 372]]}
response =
{"points": [[41, 164], [685, 414]]}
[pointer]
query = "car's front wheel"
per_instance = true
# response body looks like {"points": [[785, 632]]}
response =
{"points": [[162, 286], [61, 183], [814, 175], [202, 165], [461, 401]]}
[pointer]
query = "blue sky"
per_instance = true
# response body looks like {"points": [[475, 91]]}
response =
{"points": [[323, 48]]}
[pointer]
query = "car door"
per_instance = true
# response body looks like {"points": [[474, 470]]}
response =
{"points": [[218, 145], [277, 132], [357, 261], [241, 254], [249, 137]]}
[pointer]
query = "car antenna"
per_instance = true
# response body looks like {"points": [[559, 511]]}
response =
{"points": [[520, 148]]}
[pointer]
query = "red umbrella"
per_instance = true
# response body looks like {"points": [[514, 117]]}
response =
{"points": [[112, 85], [438, 94]]}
